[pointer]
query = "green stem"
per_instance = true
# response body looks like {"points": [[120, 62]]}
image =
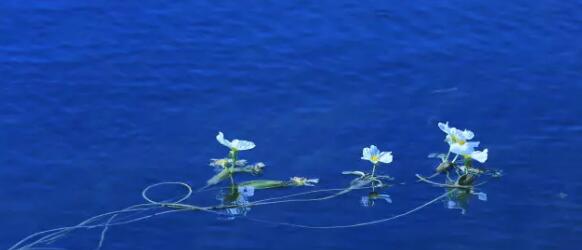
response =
{"points": [[373, 175], [233, 156], [231, 183], [468, 163]]}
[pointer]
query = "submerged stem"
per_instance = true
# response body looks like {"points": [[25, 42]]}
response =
{"points": [[233, 156], [232, 185], [373, 175]]}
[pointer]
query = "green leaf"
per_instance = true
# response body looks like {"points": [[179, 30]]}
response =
{"points": [[222, 175], [264, 184]]}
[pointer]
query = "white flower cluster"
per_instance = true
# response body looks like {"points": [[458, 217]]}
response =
{"points": [[460, 144]]}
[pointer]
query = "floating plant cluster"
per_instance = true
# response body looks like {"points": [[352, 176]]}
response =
{"points": [[461, 180], [460, 171]]}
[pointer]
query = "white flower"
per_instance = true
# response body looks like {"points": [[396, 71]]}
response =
{"points": [[455, 135], [374, 155], [459, 143], [236, 144]]}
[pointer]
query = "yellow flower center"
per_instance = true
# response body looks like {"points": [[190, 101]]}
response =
{"points": [[455, 139], [374, 158]]}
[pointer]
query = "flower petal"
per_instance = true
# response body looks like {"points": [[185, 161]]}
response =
{"points": [[460, 149], [480, 156], [366, 154], [465, 148], [385, 157], [444, 127], [374, 151], [456, 133], [467, 134], [311, 182], [242, 144], [221, 140]]}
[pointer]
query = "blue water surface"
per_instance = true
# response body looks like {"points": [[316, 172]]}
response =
{"points": [[99, 99]]}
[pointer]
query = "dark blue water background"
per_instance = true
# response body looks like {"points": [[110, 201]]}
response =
{"points": [[99, 99]]}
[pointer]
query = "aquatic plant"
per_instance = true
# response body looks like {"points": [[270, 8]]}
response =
{"points": [[375, 156], [459, 173], [230, 165]]}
